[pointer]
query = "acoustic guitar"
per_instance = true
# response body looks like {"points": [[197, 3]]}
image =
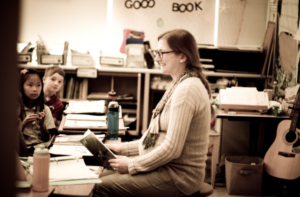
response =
{"points": [[280, 160]]}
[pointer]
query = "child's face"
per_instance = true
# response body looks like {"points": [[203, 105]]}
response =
{"points": [[32, 87], [53, 83]]}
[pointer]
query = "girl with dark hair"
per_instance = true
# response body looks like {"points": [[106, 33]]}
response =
{"points": [[169, 159], [35, 115]]}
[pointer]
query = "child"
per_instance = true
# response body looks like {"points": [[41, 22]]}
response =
{"points": [[37, 122], [53, 80]]}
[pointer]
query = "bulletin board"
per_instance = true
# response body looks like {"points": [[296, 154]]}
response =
{"points": [[162, 15], [79, 22]]}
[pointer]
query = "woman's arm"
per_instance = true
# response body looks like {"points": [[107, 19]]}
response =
{"points": [[173, 144]]}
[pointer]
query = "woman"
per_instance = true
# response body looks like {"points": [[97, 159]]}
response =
{"points": [[169, 159]]}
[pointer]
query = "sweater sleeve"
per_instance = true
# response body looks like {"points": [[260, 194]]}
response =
{"points": [[130, 148], [181, 115]]}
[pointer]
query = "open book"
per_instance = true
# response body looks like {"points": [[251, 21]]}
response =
{"points": [[98, 149], [244, 99]]}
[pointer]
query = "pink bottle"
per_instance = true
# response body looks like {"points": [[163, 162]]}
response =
{"points": [[41, 162]]}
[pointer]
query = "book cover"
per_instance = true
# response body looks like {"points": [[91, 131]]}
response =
{"points": [[76, 89], [69, 87], [85, 88], [72, 87], [98, 149]]}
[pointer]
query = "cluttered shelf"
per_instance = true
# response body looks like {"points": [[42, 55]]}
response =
{"points": [[69, 69], [138, 80]]}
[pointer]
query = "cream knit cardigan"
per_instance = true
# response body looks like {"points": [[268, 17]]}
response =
{"points": [[183, 139]]}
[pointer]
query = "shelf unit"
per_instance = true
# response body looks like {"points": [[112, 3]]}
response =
{"points": [[143, 76]]}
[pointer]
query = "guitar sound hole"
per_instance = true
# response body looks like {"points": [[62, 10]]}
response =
{"points": [[290, 137]]}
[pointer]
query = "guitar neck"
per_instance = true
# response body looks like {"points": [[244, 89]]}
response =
{"points": [[294, 118]]}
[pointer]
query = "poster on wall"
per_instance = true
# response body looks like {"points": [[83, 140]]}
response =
{"points": [[153, 17]]}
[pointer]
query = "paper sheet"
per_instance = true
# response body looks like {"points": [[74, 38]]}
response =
{"points": [[84, 117], [84, 124], [69, 170], [243, 96], [86, 107], [69, 150]]}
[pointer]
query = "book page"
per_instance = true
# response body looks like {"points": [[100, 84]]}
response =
{"points": [[243, 96]]}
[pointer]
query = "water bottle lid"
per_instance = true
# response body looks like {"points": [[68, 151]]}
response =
{"points": [[113, 106], [112, 95], [41, 150]]}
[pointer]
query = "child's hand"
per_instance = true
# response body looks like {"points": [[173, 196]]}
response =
{"points": [[41, 118], [29, 119]]}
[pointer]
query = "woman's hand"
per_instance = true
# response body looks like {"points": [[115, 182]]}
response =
{"points": [[120, 164], [116, 148], [41, 118]]}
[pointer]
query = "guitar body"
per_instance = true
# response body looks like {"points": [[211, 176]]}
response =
{"points": [[280, 161]]}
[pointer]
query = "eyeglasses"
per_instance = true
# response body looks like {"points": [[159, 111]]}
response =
{"points": [[161, 53]]}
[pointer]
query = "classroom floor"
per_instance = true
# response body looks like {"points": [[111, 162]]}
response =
{"points": [[274, 189], [222, 192]]}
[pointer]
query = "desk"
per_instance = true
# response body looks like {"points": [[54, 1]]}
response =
{"points": [[247, 134], [83, 190], [61, 129]]}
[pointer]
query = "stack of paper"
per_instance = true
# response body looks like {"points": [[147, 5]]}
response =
{"points": [[84, 121], [69, 170], [243, 98], [86, 107]]}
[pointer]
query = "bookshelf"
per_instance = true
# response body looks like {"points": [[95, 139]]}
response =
{"points": [[137, 81]]}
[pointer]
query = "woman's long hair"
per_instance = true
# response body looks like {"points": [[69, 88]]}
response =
{"points": [[183, 41]]}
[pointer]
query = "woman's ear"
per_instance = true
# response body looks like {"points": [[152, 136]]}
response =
{"points": [[44, 79], [182, 58]]}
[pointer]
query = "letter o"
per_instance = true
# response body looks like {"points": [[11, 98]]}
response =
{"points": [[151, 6], [142, 3], [138, 4], [187, 7], [180, 8]]}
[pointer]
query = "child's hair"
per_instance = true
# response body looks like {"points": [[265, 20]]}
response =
{"points": [[19, 103], [54, 69], [40, 101]]}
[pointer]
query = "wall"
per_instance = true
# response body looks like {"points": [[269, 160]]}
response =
{"points": [[241, 22], [80, 22]]}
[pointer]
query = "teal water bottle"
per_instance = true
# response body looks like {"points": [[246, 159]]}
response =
{"points": [[113, 121]]}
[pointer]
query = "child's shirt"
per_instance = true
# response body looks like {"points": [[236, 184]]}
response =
{"points": [[32, 131], [56, 107]]}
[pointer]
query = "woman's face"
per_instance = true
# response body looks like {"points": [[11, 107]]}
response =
{"points": [[32, 87], [171, 63]]}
